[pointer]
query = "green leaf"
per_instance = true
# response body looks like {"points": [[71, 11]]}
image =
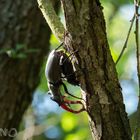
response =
{"points": [[20, 47], [11, 53], [21, 56]]}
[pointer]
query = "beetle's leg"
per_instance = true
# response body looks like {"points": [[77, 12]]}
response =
{"points": [[66, 90], [70, 74], [64, 106], [69, 56], [59, 46]]}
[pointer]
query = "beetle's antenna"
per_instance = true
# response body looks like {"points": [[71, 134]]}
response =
{"points": [[69, 56], [59, 46]]}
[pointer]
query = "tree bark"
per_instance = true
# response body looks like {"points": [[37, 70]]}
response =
{"points": [[86, 32], [22, 29]]}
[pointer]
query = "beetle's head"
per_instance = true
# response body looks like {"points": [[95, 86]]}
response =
{"points": [[55, 94], [49, 92], [57, 99]]}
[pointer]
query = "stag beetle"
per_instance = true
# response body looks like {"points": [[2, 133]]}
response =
{"points": [[58, 68]]}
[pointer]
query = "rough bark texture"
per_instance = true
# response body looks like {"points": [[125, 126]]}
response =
{"points": [[21, 24], [87, 33]]}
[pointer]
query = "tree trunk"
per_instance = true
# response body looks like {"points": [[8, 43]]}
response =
{"points": [[86, 32], [24, 41]]}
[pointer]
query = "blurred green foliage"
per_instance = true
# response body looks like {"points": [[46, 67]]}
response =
{"points": [[19, 52], [61, 125]]}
